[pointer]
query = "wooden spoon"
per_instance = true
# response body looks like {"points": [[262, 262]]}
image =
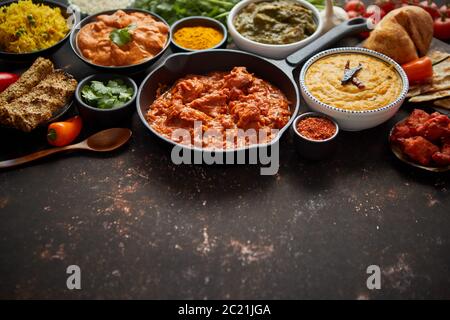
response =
{"points": [[103, 141]]}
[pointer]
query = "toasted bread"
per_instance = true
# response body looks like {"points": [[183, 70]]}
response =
{"points": [[404, 34], [37, 106]]}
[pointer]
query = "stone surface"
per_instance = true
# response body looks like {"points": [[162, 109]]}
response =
{"points": [[141, 227]]}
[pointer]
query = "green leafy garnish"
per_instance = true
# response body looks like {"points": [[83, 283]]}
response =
{"points": [[319, 4], [113, 94], [173, 10], [122, 36]]}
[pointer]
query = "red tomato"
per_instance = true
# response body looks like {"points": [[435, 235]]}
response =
{"points": [[445, 9], [386, 5], [410, 2], [355, 5], [371, 14], [7, 79], [431, 8], [364, 35], [442, 27], [353, 14]]}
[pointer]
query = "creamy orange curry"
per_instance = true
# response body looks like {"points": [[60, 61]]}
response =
{"points": [[137, 37], [380, 82]]}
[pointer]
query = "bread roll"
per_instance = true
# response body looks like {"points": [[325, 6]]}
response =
{"points": [[405, 34]]}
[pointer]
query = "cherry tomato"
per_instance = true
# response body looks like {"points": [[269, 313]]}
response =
{"points": [[355, 5], [445, 9], [353, 14], [364, 35], [410, 2], [7, 79], [430, 7], [442, 27], [386, 5]]}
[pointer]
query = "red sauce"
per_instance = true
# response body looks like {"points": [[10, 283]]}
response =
{"points": [[316, 128], [222, 101]]}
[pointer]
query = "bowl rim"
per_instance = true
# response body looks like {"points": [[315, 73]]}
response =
{"points": [[380, 56], [315, 115], [144, 121], [234, 33], [178, 24], [110, 76], [86, 20], [52, 3]]}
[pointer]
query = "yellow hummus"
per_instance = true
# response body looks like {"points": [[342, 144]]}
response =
{"points": [[382, 83]]}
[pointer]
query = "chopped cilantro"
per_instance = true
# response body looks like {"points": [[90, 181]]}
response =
{"points": [[110, 95]]}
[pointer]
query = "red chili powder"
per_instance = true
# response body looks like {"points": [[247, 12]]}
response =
{"points": [[316, 128]]}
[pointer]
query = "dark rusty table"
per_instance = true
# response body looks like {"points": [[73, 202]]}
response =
{"points": [[141, 227]]}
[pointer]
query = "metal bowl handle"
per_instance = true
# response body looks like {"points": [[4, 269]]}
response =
{"points": [[345, 29]]}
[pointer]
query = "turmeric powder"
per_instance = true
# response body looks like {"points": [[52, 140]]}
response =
{"points": [[198, 38]]}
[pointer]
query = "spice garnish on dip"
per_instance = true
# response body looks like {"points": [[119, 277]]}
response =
{"points": [[377, 85], [316, 128], [198, 37], [350, 75]]}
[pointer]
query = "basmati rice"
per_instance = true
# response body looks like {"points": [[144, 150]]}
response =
{"points": [[28, 27]]}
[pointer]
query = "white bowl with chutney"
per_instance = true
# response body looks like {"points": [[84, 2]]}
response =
{"points": [[274, 51], [369, 98]]}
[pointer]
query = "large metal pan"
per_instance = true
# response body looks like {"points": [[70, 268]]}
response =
{"points": [[277, 72]]}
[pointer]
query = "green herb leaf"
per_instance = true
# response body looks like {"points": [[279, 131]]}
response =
{"points": [[173, 10], [122, 36], [125, 96], [106, 103], [113, 94], [88, 94]]}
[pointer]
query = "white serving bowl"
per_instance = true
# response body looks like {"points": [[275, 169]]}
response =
{"points": [[354, 120], [273, 51]]}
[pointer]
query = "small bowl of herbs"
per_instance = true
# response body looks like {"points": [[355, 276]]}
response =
{"points": [[106, 100]]}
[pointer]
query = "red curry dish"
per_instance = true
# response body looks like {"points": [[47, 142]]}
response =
{"points": [[424, 138], [224, 102]]}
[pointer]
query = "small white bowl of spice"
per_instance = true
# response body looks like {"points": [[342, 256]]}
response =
{"points": [[198, 33]]}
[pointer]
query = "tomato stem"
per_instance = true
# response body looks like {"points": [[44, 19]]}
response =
{"points": [[51, 135]]}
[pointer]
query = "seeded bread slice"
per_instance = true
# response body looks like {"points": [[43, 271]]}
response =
{"points": [[41, 102], [40, 69]]}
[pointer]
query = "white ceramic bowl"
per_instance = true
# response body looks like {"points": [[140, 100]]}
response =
{"points": [[271, 50], [354, 120]]}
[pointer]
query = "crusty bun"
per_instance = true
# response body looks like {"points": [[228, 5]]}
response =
{"points": [[404, 34]]}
